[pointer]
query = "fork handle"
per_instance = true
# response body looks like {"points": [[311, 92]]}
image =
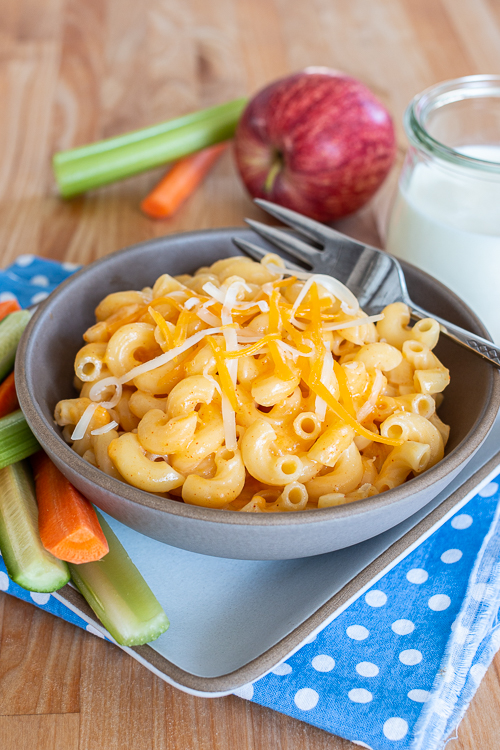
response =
{"points": [[484, 348]]}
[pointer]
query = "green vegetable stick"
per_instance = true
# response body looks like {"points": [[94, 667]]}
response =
{"points": [[11, 330], [28, 562], [16, 439], [88, 167], [119, 595]]}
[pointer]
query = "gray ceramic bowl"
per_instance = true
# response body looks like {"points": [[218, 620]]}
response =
{"points": [[44, 374]]}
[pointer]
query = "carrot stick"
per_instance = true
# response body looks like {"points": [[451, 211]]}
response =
{"points": [[7, 307], [67, 522], [8, 396], [180, 182]]}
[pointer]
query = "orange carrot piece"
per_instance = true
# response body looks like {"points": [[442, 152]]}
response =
{"points": [[67, 522], [8, 396], [9, 306], [180, 182]]}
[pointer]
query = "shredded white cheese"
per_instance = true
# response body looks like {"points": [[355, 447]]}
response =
{"points": [[273, 268], [326, 376], [191, 302], [167, 357], [213, 291], [231, 339], [288, 349], [229, 423], [207, 317], [369, 405], [231, 302], [247, 339], [100, 386], [105, 428], [352, 323], [261, 304], [349, 303], [211, 378], [83, 422]]}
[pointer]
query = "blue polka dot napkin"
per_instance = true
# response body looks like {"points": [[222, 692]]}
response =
{"points": [[398, 667], [31, 279]]}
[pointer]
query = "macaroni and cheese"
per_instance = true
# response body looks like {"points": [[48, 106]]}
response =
{"points": [[247, 388]]}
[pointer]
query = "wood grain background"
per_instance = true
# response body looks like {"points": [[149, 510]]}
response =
{"points": [[72, 71]]}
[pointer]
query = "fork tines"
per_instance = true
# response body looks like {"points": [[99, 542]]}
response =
{"points": [[258, 253], [285, 241], [322, 260], [309, 228]]}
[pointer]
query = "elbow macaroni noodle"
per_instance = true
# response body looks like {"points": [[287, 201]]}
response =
{"points": [[245, 388]]}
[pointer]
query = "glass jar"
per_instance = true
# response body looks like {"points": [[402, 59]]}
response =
{"points": [[446, 217]]}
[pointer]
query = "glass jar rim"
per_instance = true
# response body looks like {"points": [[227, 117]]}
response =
{"points": [[439, 95]]}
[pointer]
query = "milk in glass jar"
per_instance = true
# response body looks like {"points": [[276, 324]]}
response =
{"points": [[446, 218]]}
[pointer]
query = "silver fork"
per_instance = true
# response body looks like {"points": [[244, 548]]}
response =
{"points": [[375, 277]]}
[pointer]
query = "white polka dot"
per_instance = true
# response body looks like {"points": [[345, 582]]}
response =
{"points": [[495, 638], [91, 629], [410, 657], [4, 581], [245, 691], [376, 598], [478, 591], [419, 696], [357, 632], [39, 297], [438, 602], [70, 266], [477, 672], [463, 521], [360, 695], [367, 669], [403, 627], [7, 296], [417, 575], [451, 556], [395, 728], [24, 260], [311, 639], [488, 490], [39, 598], [323, 663], [306, 699], [40, 280], [282, 669], [362, 744]]}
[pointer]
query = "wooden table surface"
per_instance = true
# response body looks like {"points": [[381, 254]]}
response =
{"points": [[72, 71]]}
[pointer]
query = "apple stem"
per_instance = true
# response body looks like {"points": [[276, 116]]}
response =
{"points": [[273, 172]]}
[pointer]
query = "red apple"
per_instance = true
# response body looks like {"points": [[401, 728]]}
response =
{"points": [[318, 142]]}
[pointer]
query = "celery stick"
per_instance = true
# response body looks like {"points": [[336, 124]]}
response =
{"points": [[11, 330], [135, 136], [16, 439], [88, 167], [28, 562], [119, 595]]}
